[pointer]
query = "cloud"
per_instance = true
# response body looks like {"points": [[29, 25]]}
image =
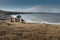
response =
{"points": [[44, 8], [37, 8]]}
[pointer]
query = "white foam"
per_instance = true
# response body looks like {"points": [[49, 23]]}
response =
{"points": [[41, 22]]}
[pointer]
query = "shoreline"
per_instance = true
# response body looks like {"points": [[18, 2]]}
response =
{"points": [[45, 23], [4, 20]]}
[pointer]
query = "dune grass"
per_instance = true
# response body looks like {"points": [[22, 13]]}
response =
{"points": [[28, 31]]}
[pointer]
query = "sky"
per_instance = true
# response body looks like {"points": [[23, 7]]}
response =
{"points": [[30, 5]]}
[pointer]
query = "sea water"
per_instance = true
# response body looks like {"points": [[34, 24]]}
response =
{"points": [[49, 18]]}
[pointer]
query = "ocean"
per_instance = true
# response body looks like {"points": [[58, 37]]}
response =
{"points": [[48, 18]]}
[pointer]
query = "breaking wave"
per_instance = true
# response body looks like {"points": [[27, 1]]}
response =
{"points": [[41, 22]]}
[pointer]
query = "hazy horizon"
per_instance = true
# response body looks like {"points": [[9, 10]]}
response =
{"points": [[31, 5]]}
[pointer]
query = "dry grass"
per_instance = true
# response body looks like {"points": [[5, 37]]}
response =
{"points": [[29, 31]]}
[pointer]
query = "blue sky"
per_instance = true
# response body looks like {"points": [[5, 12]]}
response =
{"points": [[29, 5]]}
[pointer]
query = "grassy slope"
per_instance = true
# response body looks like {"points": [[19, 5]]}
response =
{"points": [[2, 12], [27, 31]]}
